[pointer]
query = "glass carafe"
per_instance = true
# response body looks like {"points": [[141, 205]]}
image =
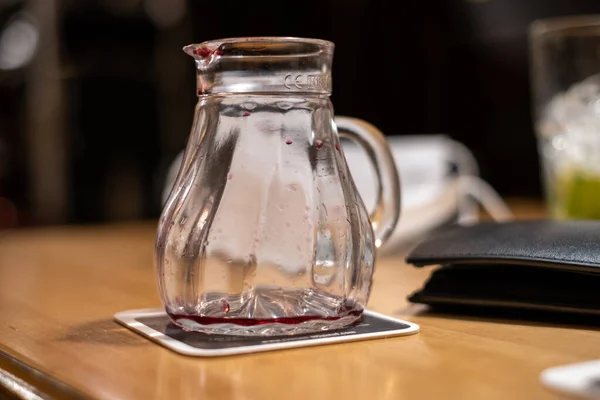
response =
{"points": [[264, 232]]}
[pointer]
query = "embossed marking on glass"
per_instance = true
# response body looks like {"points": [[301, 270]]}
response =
{"points": [[264, 232]]}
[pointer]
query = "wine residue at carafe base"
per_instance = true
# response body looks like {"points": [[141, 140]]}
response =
{"points": [[236, 325], [260, 321]]}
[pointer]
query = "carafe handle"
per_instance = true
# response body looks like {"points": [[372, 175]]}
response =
{"points": [[387, 208]]}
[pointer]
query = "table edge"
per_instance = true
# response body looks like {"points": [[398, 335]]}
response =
{"points": [[26, 382]]}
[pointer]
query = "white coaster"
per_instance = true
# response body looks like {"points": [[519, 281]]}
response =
{"points": [[156, 325]]}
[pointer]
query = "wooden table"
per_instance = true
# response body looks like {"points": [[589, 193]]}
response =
{"points": [[60, 287]]}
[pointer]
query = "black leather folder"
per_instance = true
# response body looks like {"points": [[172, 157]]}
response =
{"points": [[535, 265]]}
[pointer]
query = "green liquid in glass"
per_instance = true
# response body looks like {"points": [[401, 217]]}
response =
{"points": [[576, 195]]}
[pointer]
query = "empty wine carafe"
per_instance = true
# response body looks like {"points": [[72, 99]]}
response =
{"points": [[264, 232]]}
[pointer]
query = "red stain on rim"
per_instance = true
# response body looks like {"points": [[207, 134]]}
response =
{"points": [[205, 52]]}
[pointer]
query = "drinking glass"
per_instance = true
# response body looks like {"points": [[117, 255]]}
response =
{"points": [[565, 75]]}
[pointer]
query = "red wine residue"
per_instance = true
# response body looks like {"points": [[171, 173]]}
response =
{"points": [[288, 141], [318, 144], [225, 306], [245, 114], [203, 52], [206, 52], [261, 321]]}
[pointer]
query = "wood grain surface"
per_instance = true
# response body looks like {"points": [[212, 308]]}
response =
{"points": [[60, 287]]}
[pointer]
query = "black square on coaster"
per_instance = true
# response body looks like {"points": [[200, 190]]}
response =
{"points": [[156, 325]]}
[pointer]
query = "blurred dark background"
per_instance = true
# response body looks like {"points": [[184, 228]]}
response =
{"points": [[96, 96]]}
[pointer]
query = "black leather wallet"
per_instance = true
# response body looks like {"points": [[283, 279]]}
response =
{"points": [[536, 265]]}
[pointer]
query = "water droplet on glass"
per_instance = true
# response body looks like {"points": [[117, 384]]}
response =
{"points": [[300, 273], [280, 207], [249, 106], [229, 176], [183, 220]]}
